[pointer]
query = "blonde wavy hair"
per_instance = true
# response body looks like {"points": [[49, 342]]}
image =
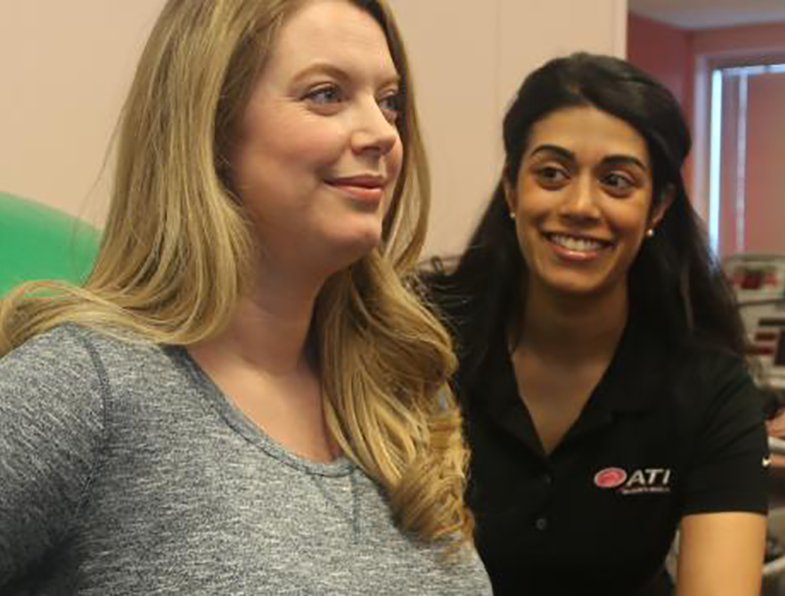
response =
{"points": [[177, 247]]}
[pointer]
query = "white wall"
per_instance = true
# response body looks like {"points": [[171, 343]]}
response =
{"points": [[65, 66]]}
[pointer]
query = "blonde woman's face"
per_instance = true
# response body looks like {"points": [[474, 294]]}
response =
{"points": [[319, 151]]}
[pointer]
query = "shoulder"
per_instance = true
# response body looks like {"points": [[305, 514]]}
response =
{"points": [[59, 362], [726, 450], [64, 377], [710, 377], [696, 389], [53, 394], [67, 356], [717, 401], [52, 416], [691, 374]]}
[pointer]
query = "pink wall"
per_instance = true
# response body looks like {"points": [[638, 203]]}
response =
{"points": [[682, 59], [765, 186], [669, 53], [665, 52], [755, 38]]}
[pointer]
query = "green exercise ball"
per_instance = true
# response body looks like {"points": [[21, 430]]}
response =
{"points": [[39, 242]]}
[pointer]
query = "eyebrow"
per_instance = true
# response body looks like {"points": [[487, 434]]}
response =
{"points": [[620, 159], [338, 73]]}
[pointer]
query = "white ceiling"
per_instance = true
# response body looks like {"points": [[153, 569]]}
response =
{"points": [[698, 14]]}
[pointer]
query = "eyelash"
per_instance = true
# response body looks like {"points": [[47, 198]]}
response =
{"points": [[547, 175], [393, 111], [319, 97], [627, 184], [550, 176], [314, 95]]}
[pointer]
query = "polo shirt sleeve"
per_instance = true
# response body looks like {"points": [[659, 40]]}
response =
{"points": [[726, 469], [51, 421]]}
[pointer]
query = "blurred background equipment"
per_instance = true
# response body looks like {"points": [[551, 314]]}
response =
{"points": [[759, 284], [39, 242]]}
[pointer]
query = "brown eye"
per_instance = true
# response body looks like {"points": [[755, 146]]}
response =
{"points": [[618, 184], [551, 176]]}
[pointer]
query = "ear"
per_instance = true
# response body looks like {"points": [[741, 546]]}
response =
{"points": [[510, 195], [656, 215]]}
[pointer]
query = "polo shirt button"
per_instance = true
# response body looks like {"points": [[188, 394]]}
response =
{"points": [[541, 524]]}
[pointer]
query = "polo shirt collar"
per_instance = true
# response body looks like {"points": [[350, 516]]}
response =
{"points": [[501, 401], [628, 386]]}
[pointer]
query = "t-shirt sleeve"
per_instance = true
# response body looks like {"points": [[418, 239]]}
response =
{"points": [[727, 467], [51, 424]]}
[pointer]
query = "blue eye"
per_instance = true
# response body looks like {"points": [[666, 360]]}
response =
{"points": [[391, 106], [325, 95]]}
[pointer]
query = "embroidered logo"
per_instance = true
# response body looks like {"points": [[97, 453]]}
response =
{"points": [[643, 480]]}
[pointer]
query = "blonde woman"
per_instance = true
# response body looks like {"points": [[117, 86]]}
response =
{"points": [[245, 397]]}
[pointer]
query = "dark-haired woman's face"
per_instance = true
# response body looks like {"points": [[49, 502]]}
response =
{"points": [[582, 201]]}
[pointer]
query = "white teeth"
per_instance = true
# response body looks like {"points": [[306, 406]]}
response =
{"points": [[575, 244]]}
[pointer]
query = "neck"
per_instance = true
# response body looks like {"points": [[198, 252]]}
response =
{"points": [[270, 327], [563, 327]]}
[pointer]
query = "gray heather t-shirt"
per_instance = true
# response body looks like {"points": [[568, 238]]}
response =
{"points": [[124, 470]]}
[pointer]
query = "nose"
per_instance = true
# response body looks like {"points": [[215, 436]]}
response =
{"points": [[374, 133], [580, 201]]}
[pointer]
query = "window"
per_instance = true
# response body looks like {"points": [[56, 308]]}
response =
{"points": [[746, 181]]}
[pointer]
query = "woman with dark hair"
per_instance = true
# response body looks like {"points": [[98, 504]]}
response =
{"points": [[606, 396]]}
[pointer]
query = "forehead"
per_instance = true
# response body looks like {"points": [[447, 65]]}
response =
{"points": [[331, 31], [589, 133]]}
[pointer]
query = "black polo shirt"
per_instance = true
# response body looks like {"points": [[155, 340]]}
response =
{"points": [[668, 431]]}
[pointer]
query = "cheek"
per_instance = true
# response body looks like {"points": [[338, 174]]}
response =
{"points": [[393, 169], [530, 213], [630, 226], [395, 161], [528, 234], [531, 200], [533, 212], [396, 155], [291, 137], [629, 218]]}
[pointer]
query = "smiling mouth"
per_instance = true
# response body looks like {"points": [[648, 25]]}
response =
{"points": [[578, 244]]}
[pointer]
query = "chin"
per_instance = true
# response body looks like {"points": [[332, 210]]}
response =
{"points": [[574, 285], [583, 288], [348, 249]]}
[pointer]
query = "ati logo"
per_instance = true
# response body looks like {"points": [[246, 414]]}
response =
{"points": [[644, 480]]}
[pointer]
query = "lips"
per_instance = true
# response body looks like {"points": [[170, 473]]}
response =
{"points": [[365, 188], [365, 181]]}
